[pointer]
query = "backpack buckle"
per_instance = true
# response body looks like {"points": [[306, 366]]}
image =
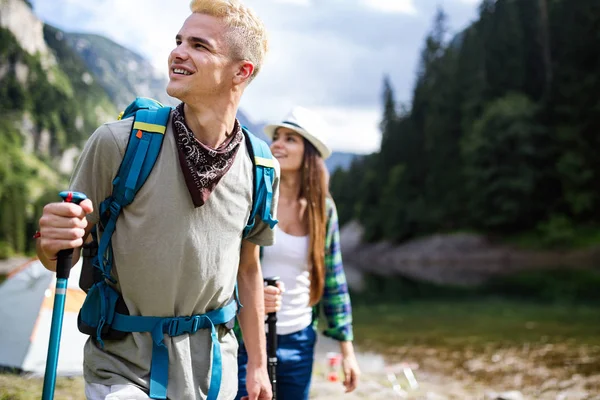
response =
{"points": [[173, 327], [115, 208], [180, 325]]}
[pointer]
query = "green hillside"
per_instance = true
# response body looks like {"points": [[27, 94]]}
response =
{"points": [[44, 111]]}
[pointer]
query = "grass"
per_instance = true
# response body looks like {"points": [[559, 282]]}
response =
{"points": [[15, 387], [468, 322]]}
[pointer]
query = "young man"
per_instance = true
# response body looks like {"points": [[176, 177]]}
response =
{"points": [[177, 246]]}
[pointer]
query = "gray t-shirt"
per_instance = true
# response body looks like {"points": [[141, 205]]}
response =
{"points": [[170, 259]]}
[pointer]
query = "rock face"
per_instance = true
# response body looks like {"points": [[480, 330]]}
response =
{"points": [[17, 17], [457, 259]]}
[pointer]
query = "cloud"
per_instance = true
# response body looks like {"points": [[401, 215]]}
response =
{"points": [[398, 6], [353, 130], [305, 3]]}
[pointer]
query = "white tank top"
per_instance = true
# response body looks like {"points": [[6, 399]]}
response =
{"points": [[288, 259]]}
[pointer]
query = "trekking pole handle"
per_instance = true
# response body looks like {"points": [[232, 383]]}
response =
{"points": [[272, 280], [64, 258]]}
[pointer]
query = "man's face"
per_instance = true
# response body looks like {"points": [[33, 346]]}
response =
{"points": [[200, 65]]}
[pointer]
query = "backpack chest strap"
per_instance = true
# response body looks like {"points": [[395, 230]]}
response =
{"points": [[175, 326]]}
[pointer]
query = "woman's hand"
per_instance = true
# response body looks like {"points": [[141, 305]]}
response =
{"points": [[349, 366], [273, 297]]}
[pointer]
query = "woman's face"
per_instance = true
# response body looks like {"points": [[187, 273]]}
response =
{"points": [[288, 149]]}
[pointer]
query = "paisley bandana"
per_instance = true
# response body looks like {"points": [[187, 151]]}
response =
{"points": [[202, 166]]}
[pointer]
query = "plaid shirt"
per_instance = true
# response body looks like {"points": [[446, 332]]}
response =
{"points": [[335, 302]]}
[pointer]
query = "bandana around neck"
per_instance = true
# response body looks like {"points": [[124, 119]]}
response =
{"points": [[202, 166]]}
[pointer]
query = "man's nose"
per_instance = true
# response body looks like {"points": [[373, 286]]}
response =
{"points": [[179, 52]]}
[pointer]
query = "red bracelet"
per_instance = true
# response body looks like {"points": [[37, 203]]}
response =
{"points": [[37, 235]]}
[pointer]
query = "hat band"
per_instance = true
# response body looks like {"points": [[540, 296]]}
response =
{"points": [[293, 124]]}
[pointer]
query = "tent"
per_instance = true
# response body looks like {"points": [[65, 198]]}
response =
{"points": [[26, 301]]}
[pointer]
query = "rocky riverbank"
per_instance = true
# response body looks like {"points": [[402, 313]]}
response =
{"points": [[457, 259], [509, 374]]}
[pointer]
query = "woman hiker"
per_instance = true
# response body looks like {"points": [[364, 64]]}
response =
{"points": [[307, 258]]}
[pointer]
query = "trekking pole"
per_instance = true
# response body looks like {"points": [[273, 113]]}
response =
{"points": [[272, 342], [64, 262]]}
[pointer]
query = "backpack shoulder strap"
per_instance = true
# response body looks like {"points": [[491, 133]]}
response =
{"points": [[264, 174], [145, 142]]}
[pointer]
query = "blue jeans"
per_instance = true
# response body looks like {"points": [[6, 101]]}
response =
{"points": [[295, 356]]}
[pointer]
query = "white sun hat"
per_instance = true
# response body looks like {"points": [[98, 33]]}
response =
{"points": [[307, 124]]}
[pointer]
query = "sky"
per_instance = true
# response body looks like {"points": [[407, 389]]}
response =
{"points": [[327, 55]]}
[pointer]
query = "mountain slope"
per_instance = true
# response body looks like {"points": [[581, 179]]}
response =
{"points": [[123, 73]]}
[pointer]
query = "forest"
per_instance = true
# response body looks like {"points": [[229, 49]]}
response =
{"points": [[500, 137]]}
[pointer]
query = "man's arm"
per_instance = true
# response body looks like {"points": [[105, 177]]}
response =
{"points": [[252, 321], [252, 315]]}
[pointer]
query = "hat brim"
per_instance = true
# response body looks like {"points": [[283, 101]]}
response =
{"points": [[321, 147]]}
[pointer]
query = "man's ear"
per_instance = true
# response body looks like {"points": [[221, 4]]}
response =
{"points": [[244, 72]]}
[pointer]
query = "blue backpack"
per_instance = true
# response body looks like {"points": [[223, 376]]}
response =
{"points": [[104, 315]]}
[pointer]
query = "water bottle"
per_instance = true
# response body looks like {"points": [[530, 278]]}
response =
{"points": [[333, 366]]}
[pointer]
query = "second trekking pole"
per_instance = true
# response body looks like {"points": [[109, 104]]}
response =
{"points": [[64, 262], [272, 342]]}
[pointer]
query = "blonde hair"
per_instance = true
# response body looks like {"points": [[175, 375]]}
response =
{"points": [[247, 36]]}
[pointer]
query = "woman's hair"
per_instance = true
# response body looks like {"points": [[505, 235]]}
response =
{"points": [[247, 37], [314, 189]]}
